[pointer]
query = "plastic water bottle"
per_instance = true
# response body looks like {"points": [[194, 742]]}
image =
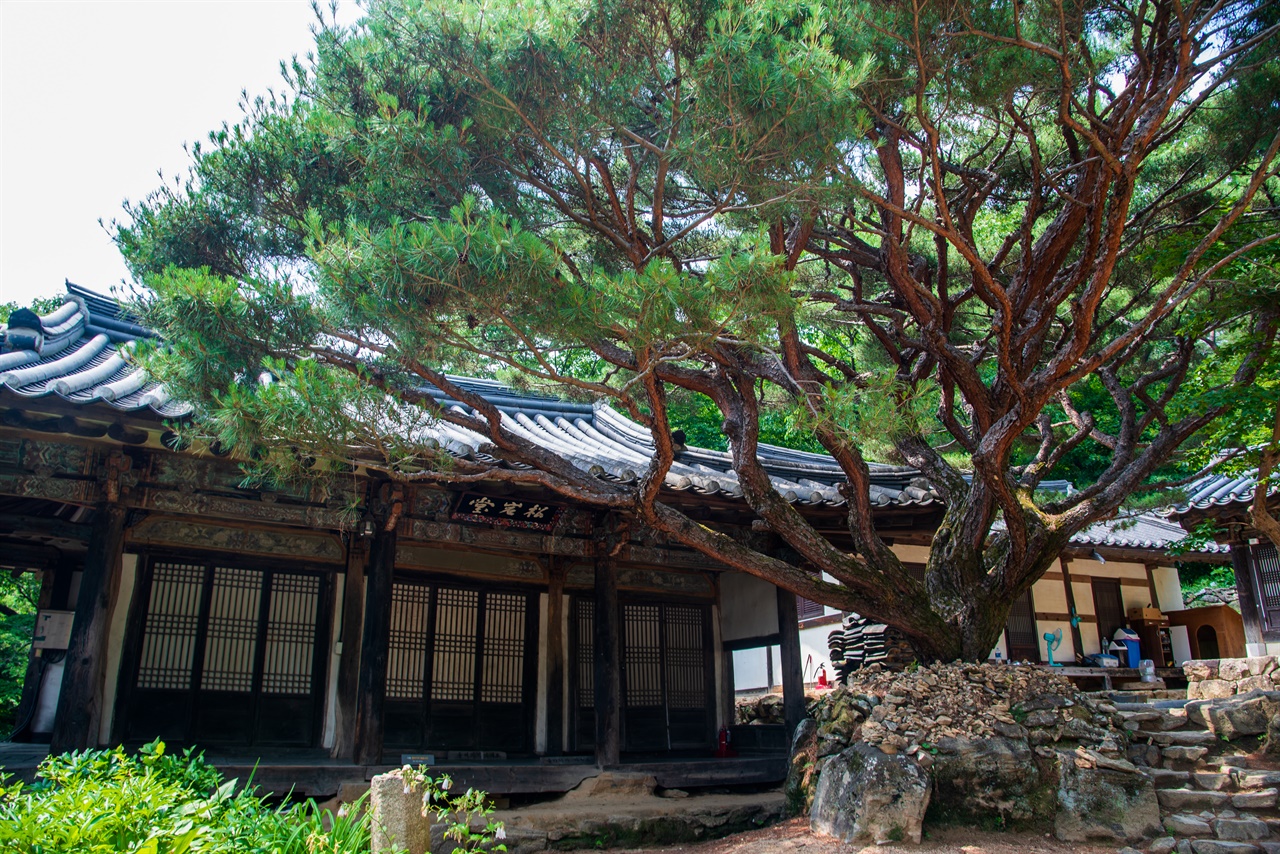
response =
{"points": [[1147, 670]]}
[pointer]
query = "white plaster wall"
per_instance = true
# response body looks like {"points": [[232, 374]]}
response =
{"points": [[815, 653], [1050, 596], [115, 644], [1066, 650], [749, 607], [1181, 644], [47, 702], [717, 677], [73, 590], [540, 713], [330, 732], [911, 554], [1168, 589], [568, 663], [750, 668]]}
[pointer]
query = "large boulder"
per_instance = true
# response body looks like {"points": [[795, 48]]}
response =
{"points": [[976, 780], [1100, 803], [865, 795], [1242, 715], [798, 788]]}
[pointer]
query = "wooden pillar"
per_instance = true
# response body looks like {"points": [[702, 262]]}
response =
{"points": [[555, 659], [792, 669], [608, 671], [1250, 613], [75, 725], [348, 688], [1071, 610], [374, 646]]}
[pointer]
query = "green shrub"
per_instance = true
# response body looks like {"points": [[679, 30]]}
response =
{"points": [[153, 803]]}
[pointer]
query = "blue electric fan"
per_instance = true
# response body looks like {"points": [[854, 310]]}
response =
{"points": [[1053, 640]]}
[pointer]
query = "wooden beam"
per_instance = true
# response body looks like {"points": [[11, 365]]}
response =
{"points": [[18, 523], [75, 725], [1071, 609], [756, 642], [348, 687], [608, 678], [374, 647], [555, 659], [792, 668]]}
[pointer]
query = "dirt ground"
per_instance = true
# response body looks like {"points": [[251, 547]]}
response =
{"points": [[793, 837]]}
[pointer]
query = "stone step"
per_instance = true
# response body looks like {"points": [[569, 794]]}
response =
{"points": [[1246, 779], [1141, 696], [1144, 687], [1179, 738], [1154, 720], [1243, 829], [1255, 799], [1167, 778], [1143, 715], [1213, 781], [1189, 756], [1191, 799], [1222, 846], [1162, 705]]}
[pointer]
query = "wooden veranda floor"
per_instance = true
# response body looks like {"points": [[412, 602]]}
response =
{"points": [[313, 773]]}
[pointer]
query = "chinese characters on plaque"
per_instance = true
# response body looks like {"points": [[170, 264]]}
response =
{"points": [[507, 512]]}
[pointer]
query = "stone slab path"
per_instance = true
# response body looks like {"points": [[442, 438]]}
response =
{"points": [[793, 837]]}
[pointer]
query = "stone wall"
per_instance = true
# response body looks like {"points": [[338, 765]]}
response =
{"points": [[1226, 677]]}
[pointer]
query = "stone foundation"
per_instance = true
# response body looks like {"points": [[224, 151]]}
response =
{"points": [[1217, 678], [611, 809]]}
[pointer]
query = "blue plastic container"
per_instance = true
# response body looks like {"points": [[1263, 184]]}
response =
{"points": [[1130, 640]]}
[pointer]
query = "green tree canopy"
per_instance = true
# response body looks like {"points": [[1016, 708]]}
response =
{"points": [[972, 237]]}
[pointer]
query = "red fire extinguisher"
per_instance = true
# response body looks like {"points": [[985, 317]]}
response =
{"points": [[822, 678], [723, 750]]}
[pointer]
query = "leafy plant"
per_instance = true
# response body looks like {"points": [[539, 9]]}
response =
{"points": [[152, 802], [17, 619], [467, 816]]}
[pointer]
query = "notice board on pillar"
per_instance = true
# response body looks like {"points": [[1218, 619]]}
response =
{"points": [[53, 630]]}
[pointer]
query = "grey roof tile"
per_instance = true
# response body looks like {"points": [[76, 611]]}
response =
{"points": [[1139, 531], [1218, 490], [81, 356]]}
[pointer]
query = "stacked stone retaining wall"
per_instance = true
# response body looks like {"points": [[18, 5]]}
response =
{"points": [[1213, 679]]}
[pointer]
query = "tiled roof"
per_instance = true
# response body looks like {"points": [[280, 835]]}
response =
{"points": [[79, 353], [1144, 531], [1217, 490], [597, 438]]}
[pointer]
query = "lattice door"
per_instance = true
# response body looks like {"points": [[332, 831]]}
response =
{"points": [[583, 673], [1021, 637], [665, 677], [1266, 568], [459, 669], [227, 655]]}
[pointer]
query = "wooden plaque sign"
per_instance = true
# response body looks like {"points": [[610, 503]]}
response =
{"points": [[507, 512]]}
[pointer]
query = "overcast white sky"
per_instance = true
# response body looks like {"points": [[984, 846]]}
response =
{"points": [[96, 96]]}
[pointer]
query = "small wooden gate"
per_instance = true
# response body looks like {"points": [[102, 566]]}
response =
{"points": [[228, 655]]}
